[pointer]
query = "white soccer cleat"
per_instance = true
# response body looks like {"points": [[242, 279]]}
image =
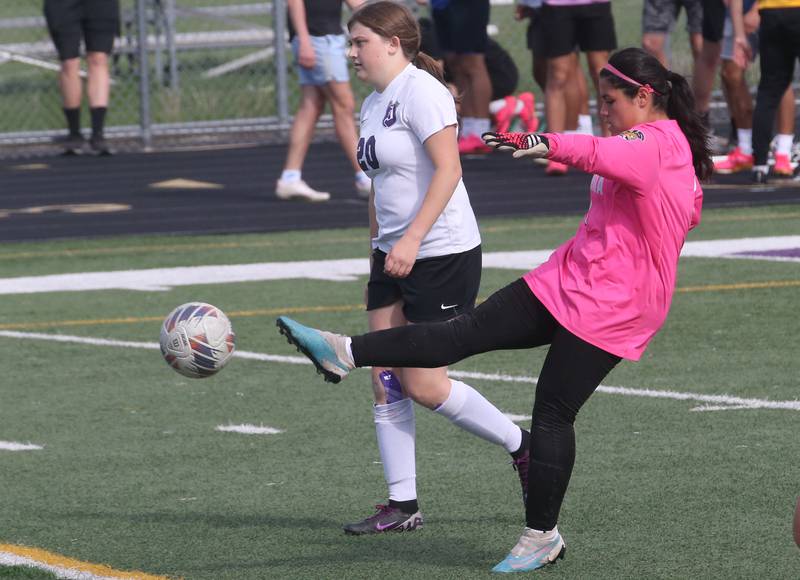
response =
{"points": [[300, 190], [328, 351], [534, 550]]}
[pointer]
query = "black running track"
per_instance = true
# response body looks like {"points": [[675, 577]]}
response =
{"points": [[39, 198]]}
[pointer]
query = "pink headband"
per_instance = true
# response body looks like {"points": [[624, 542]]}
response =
{"points": [[613, 70]]}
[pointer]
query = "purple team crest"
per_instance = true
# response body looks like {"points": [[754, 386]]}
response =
{"points": [[391, 115]]}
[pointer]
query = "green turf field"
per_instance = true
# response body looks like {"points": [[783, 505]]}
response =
{"points": [[133, 473]]}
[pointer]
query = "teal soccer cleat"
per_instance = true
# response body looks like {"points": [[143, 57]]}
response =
{"points": [[534, 550], [326, 350]]}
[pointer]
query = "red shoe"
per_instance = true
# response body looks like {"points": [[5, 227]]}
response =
{"points": [[503, 117], [555, 168], [528, 113], [783, 166], [472, 144], [734, 162]]}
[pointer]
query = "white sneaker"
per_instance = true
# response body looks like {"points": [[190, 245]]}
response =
{"points": [[363, 188], [534, 550], [299, 189]]}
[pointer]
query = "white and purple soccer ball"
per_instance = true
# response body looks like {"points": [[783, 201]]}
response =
{"points": [[197, 339]]}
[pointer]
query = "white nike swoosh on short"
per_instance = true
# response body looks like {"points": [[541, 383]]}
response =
{"points": [[448, 306]]}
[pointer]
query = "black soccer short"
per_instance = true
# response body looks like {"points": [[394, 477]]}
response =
{"points": [[535, 32], [461, 26], [97, 22], [590, 27], [437, 288], [713, 20]]}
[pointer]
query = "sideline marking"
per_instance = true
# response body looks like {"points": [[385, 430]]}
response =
{"points": [[14, 446], [726, 400], [249, 429], [67, 208], [63, 567], [343, 270], [181, 183]]}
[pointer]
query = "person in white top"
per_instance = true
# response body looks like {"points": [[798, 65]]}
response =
{"points": [[425, 250]]}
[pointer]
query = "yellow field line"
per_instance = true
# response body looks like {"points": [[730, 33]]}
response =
{"points": [[139, 319], [345, 308], [740, 286], [44, 560], [177, 248]]}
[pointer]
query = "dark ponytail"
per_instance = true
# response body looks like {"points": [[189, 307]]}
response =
{"points": [[672, 95], [680, 106]]}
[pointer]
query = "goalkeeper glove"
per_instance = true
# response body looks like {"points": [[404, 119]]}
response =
{"points": [[531, 145]]}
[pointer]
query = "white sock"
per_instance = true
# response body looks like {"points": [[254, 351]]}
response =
{"points": [[500, 104], [784, 143], [497, 105], [291, 175], [468, 409], [348, 345], [585, 125], [745, 138], [395, 427], [482, 126], [468, 126], [761, 168]]}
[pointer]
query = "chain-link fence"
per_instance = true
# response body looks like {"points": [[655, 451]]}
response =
{"points": [[213, 74]]}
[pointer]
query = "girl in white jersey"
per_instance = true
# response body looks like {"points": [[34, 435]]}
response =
{"points": [[426, 254]]}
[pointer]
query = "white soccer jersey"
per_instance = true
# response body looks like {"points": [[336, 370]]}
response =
{"points": [[394, 126]]}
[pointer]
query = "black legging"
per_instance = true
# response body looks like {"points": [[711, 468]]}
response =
{"points": [[779, 48], [512, 318]]}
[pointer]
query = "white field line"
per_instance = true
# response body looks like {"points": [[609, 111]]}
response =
{"points": [[726, 400], [8, 559], [249, 429], [14, 446], [159, 279], [517, 418]]}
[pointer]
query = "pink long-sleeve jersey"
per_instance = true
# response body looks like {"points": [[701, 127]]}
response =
{"points": [[612, 283]]}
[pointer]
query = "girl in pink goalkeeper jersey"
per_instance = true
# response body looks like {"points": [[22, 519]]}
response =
{"points": [[600, 297]]}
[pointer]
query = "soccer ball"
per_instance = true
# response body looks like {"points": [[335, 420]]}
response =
{"points": [[197, 339]]}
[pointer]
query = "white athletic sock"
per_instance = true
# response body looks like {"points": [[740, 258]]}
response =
{"points": [[482, 126], [497, 105], [585, 125], [783, 143], [348, 345], [468, 409], [291, 175], [500, 104], [745, 139], [395, 427], [468, 126]]}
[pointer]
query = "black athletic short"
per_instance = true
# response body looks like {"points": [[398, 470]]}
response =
{"points": [[96, 21], [535, 33], [713, 20], [590, 27], [461, 26], [437, 288]]}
